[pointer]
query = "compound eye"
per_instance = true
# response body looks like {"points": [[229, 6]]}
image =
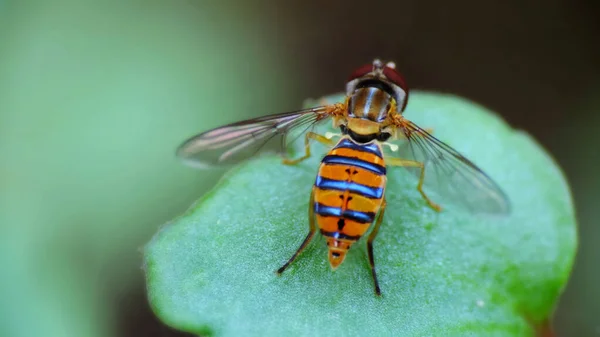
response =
{"points": [[384, 136], [394, 76], [360, 72]]}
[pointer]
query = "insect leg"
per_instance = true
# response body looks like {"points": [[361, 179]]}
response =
{"points": [[421, 166], [311, 232], [309, 135], [370, 246]]}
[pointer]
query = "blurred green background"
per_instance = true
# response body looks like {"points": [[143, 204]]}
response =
{"points": [[95, 97]]}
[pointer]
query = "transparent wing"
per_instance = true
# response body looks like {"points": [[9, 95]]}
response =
{"points": [[233, 143], [452, 176]]}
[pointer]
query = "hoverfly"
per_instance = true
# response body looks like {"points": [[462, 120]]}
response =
{"points": [[347, 197]]}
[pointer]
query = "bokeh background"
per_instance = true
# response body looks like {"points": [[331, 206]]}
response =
{"points": [[94, 98]]}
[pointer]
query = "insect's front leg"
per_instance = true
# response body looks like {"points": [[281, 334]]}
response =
{"points": [[309, 135], [421, 166]]}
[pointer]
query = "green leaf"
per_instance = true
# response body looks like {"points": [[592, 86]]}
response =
{"points": [[211, 271]]}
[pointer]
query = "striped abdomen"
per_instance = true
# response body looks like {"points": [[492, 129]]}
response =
{"points": [[348, 193]]}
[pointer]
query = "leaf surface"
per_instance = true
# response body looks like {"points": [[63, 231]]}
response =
{"points": [[211, 271]]}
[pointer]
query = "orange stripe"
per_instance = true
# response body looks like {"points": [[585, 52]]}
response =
{"points": [[357, 203], [363, 177], [327, 223], [363, 155], [352, 228], [328, 198], [362, 204]]}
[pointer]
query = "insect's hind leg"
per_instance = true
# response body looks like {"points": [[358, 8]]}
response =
{"points": [[370, 247], [311, 233], [309, 135], [421, 166]]}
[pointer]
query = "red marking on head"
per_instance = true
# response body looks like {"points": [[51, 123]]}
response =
{"points": [[392, 75], [360, 72], [395, 77]]}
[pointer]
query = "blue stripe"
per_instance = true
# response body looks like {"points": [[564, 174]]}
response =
{"points": [[371, 148], [327, 210], [340, 185], [338, 235], [362, 217], [334, 159]]}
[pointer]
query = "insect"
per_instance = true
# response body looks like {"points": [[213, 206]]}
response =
{"points": [[348, 198]]}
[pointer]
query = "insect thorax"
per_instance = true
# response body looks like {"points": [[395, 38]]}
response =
{"points": [[368, 107], [370, 103]]}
